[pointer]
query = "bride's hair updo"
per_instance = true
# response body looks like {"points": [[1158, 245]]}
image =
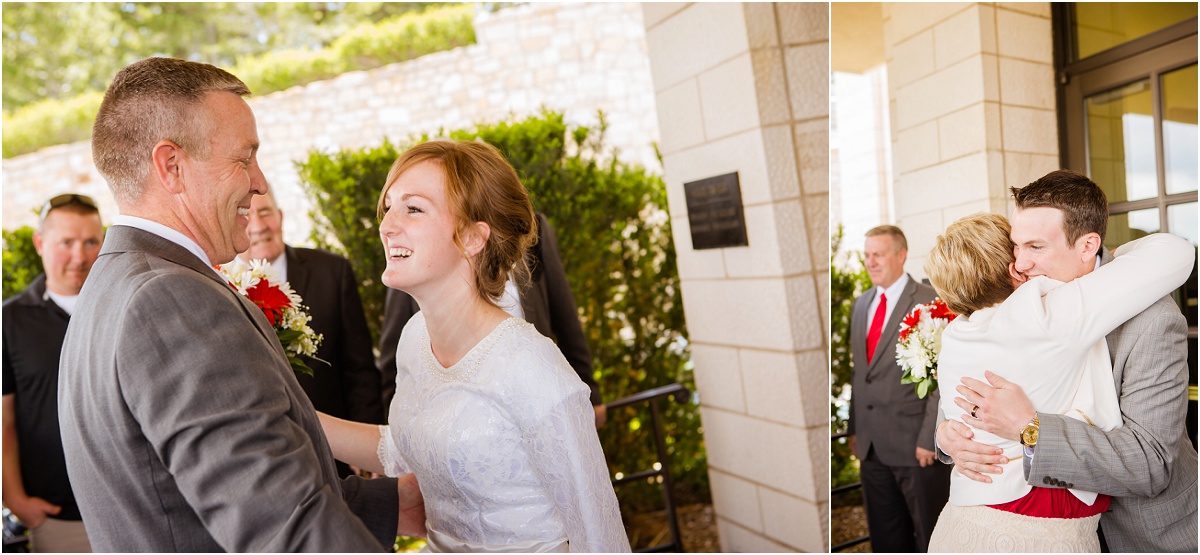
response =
{"points": [[481, 186], [969, 264]]}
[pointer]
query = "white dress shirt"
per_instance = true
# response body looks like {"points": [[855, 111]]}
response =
{"points": [[893, 292], [151, 226]]}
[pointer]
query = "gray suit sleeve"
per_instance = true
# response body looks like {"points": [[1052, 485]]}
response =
{"points": [[941, 455], [925, 439], [210, 403], [1135, 459]]}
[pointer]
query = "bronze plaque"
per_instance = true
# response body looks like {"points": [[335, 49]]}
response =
{"points": [[715, 212]]}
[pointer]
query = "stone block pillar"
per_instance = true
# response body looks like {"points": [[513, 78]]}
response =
{"points": [[744, 88], [971, 87]]}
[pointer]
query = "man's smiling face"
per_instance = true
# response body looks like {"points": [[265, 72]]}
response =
{"points": [[265, 229]]}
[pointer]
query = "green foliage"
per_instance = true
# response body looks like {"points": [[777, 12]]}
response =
{"points": [[846, 282], [615, 237], [50, 122], [21, 261], [367, 46], [44, 108]]}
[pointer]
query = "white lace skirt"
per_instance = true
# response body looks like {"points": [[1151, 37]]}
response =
{"points": [[982, 529]]}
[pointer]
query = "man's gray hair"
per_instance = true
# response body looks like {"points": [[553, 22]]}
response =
{"points": [[895, 232], [149, 101]]}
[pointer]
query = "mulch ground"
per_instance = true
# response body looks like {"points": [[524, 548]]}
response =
{"points": [[848, 521], [697, 529]]}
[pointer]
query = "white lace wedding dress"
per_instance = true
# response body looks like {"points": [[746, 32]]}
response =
{"points": [[503, 444]]}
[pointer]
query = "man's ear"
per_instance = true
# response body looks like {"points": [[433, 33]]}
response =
{"points": [[474, 237], [166, 157], [1089, 245], [37, 242]]}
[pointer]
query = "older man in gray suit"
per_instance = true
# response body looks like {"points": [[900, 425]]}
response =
{"points": [[183, 426], [1148, 464], [891, 429]]}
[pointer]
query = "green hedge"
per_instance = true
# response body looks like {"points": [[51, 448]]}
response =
{"points": [[845, 285], [21, 260], [370, 45], [615, 237]]}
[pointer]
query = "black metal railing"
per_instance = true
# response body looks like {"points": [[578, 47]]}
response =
{"points": [[843, 489], [651, 397]]}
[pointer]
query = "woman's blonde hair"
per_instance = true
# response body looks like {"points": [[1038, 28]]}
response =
{"points": [[969, 264], [481, 186]]}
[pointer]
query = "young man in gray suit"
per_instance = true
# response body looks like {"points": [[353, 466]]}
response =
{"points": [[891, 429], [1148, 465], [183, 426]]}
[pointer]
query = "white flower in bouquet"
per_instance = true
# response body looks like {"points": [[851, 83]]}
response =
{"points": [[920, 343], [258, 282]]}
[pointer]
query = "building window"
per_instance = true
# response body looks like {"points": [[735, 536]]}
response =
{"points": [[1127, 107]]}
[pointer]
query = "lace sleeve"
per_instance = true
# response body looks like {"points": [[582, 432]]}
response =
{"points": [[565, 454], [389, 456]]}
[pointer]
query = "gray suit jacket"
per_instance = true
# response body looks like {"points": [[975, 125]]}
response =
{"points": [[183, 426], [1148, 464], [885, 413]]}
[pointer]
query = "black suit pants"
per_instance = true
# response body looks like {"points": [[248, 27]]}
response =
{"points": [[903, 503]]}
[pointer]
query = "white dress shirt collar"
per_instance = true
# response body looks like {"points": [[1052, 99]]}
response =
{"points": [[893, 293], [167, 233]]}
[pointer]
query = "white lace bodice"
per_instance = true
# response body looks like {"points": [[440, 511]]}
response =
{"points": [[503, 444]]}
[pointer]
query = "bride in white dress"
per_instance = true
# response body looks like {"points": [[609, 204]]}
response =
{"points": [[488, 414]]}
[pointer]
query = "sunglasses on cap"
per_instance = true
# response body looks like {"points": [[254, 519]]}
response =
{"points": [[67, 199]]}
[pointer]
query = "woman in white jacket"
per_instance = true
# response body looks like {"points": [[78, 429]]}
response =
{"points": [[1048, 337]]}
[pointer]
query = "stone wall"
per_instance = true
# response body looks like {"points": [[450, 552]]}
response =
{"points": [[971, 87], [745, 88], [573, 58]]}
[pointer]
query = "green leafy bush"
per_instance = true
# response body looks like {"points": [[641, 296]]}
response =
{"points": [[50, 122], [370, 45], [845, 285], [615, 238], [21, 261]]}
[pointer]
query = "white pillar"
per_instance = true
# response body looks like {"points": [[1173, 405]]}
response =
{"points": [[744, 88], [973, 110]]}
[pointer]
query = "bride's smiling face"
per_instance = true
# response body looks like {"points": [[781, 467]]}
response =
{"points": [[418, 230]]}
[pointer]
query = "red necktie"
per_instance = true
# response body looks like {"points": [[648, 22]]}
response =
{"points": [[876, 327]]}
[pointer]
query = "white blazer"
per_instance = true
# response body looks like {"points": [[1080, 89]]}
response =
{"points": [[1048, 338]]}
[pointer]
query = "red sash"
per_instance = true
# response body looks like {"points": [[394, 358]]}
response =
{"points": [[1054, 503]]}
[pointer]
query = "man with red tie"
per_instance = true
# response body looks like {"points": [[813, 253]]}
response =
{"points": [[891, 429]]}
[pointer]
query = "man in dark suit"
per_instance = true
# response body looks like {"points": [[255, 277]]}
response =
{"points": [[183, 425], [347, 385], [891, 429], [36, 486], [547, 303]]}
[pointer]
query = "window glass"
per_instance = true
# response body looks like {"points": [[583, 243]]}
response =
{"points": [[1120, 133], [1179, 130], [1103, 25]]}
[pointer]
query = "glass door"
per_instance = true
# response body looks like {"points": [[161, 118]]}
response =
{"points": [[1128, 119]]}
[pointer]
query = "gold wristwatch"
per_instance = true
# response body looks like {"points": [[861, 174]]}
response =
{"points": [[1029, 434]]}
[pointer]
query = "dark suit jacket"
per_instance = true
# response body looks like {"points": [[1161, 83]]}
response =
{"points": [[885, 413], [183, 424], [350, 385], [547, 301]]}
